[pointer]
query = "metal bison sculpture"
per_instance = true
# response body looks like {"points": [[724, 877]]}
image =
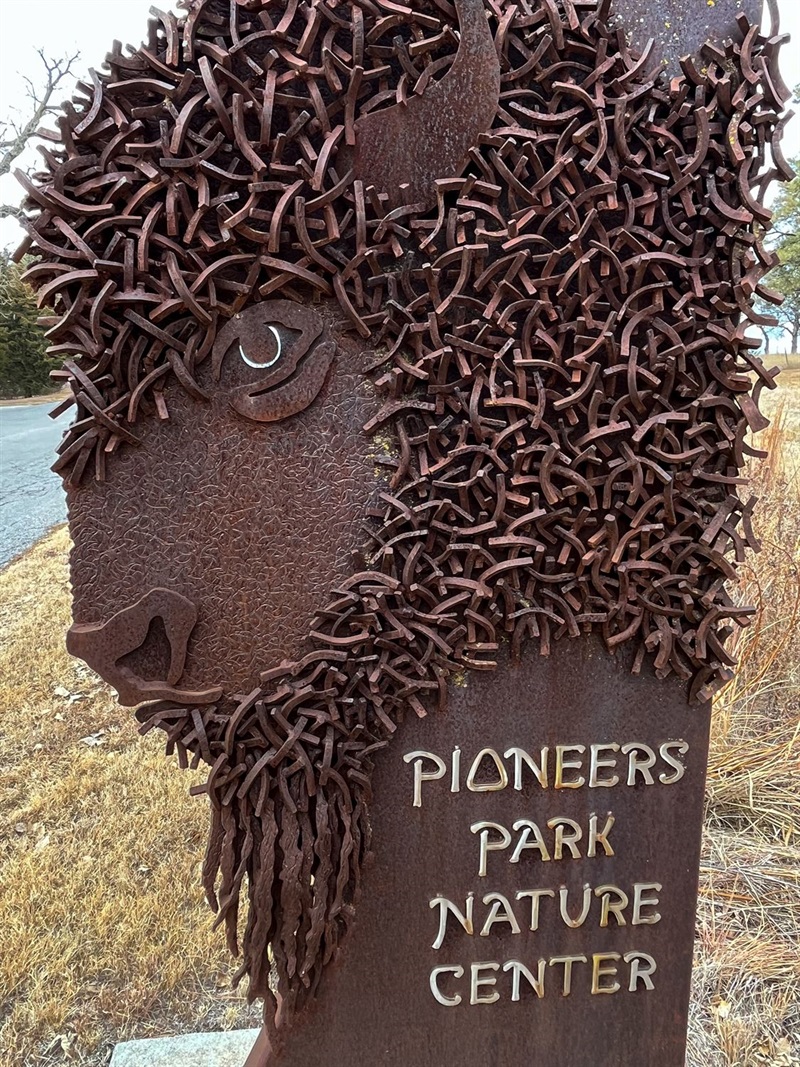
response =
{"points": [[395, 335]]}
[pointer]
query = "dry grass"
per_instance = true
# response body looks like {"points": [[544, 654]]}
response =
{"points": [[746, 1004], [103, 932], [104, 935]]}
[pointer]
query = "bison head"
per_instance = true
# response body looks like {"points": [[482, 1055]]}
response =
{"points": [[394, 335]]}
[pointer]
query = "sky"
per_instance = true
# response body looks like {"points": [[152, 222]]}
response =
{"points": [[90, 26], [59, 27]]}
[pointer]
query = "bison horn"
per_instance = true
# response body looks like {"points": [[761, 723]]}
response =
{"points": [[404, 149]]}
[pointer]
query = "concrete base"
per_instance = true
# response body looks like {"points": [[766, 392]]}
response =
{"points": [[229, 1049]]}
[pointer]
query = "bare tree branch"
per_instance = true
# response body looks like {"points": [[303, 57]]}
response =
{"points": [[15, 136]]}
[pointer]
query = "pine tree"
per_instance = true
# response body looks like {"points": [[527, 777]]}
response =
{"points": [[24, 364]]}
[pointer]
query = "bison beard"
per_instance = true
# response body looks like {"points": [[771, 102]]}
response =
{"points": [[580, 287]]}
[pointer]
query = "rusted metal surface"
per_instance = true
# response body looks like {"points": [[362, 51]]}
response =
{"points": [[681, 29], [105, 645], [427, 137], [557, 347], [376, 1005], [251, 522], [263, 338]]}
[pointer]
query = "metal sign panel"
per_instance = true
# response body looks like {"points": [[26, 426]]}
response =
{"points": [[532, 893]]}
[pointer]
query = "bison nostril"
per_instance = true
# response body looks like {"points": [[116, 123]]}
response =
{"points": [[131, 646], [152, 659]]}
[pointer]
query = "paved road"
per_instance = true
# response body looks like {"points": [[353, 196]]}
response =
{"points": [[31, 497]]}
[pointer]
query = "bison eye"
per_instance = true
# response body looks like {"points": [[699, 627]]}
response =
{"points": [[270, 362]]}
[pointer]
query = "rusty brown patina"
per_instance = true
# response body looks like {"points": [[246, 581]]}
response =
{"points": [[680, 30], [104, 647], [404, 150], [384, 402]]}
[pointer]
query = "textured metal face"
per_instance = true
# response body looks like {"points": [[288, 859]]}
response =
{"points": [[252, 522]]}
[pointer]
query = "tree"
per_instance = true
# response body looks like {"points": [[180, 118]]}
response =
{"points": [[17, 134], [24, 364], [785, 279]]}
